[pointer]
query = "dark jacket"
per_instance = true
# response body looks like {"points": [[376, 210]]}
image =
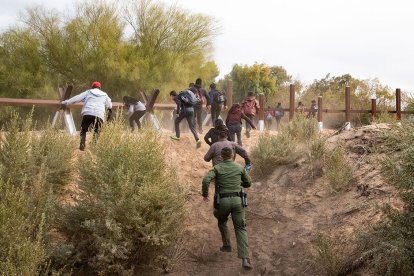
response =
{"points": [[212, 136], [201, 92], [213, 96]]}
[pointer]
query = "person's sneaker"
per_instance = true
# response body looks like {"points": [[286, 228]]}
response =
{"points": [[175, 138], [225, 248], [198, 143], [246, 264], [248, 134], [200, 130], [82, 147]]}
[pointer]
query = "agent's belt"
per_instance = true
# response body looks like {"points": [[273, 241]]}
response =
{"points": [[229, 195]]}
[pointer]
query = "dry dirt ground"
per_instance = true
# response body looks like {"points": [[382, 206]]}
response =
{"points": [[287, 208]]}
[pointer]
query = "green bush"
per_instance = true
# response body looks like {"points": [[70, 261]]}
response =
{"points": [[387, 248], [27, 203], [394, 244], [272, 151], [385, 117], [130, 207], [302, 129], [23, 214], [329, 259], [316, 150], [338, 171], [53, 149]]}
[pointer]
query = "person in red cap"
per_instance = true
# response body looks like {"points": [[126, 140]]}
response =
{"points": [[95, 104]]}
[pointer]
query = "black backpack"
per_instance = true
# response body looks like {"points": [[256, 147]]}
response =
{"points": [[187, 98], [220, 97]]}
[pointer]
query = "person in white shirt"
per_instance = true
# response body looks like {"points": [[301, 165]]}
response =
{"points": [[93, 112], [136, 109]]}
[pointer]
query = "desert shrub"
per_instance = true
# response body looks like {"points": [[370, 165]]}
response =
{"points": [[387, 249], [27, 203], [130, 206], [23, 214], [385, 117], [273, 150], [394, 239], [338, 171], [24, 153], [302, 129], [316, 150], [53, 149], [329, 255], [15, 150]]}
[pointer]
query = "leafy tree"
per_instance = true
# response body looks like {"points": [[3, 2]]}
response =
{"points": [[260, 78], [171, 45], [168, 48], [332, 89]]}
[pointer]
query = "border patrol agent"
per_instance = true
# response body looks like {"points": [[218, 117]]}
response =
{"points": [[230, 199]]}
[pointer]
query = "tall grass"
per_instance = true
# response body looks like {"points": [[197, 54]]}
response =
{"points": [[130, 207]]}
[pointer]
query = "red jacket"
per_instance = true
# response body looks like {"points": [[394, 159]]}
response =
{"points": [[250, 105], [235, 115]]}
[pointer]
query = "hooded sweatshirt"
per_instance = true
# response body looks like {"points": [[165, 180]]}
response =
{"points": [[95, 102]]}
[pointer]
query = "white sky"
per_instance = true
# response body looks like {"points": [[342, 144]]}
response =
{"points": [[365, 38]]}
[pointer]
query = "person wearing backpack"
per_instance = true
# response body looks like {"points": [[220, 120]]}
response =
{"points": [[185, 102], [279, 113], [312, 110], [203, 98], [218, 102], [95, 104], [250, 108], [136, 109], [234, 123], [269, 117]]}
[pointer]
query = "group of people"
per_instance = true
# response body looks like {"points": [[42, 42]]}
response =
{"points": [[313, 109], [97, 103], [189, 106], [229, 197], [277, 113], [229, 177]]}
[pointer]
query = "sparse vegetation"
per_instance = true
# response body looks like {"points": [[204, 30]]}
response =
{"points": [[298, 137], [393, 242], [316, 155], [385, 117], [27, 201], [130, 208], [329, 260], [302, 129], [272, 151], [338, 171]]}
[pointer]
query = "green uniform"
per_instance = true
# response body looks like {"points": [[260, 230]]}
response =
{"points": [[229, 178]]}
